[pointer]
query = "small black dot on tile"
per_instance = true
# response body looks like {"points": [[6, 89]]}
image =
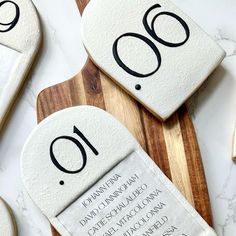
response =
{"points": [[138, 87], [61, 182]]}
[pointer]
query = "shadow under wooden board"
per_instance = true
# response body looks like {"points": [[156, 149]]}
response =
{"points": [[172, 145]]}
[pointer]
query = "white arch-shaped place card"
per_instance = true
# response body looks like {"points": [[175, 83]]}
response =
{"points": [[89, 176], [151, 48], [7, 220], [20, 38]]}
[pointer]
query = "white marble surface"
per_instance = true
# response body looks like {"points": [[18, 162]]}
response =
{"points": [[213, 107]]}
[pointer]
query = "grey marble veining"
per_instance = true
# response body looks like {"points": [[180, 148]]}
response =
{"points": [[213, 107]]}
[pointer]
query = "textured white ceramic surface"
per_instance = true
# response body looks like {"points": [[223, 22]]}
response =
{"points": [[19, 31], [213, 108], [70, 151], [7, 224], [151, 48]]}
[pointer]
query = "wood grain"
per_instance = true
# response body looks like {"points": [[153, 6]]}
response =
{"points": [[172, 145]]}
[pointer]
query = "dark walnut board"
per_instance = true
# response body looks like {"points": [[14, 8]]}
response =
{"points": [[172, 145]]}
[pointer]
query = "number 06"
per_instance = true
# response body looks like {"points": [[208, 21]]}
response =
{"points": [[151, 31]]}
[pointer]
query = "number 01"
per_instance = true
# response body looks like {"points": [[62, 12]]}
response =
{"points": [[79, 146]]}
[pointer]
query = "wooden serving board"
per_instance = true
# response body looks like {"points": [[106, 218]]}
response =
{"points": [[172, 145]]}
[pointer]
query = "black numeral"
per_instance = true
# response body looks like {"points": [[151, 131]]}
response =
{"points": [[13, 23], [148, 42], [80, 147], [151, 31]]}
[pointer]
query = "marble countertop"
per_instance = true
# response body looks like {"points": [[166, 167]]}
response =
{"points": [[213, 107]]}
